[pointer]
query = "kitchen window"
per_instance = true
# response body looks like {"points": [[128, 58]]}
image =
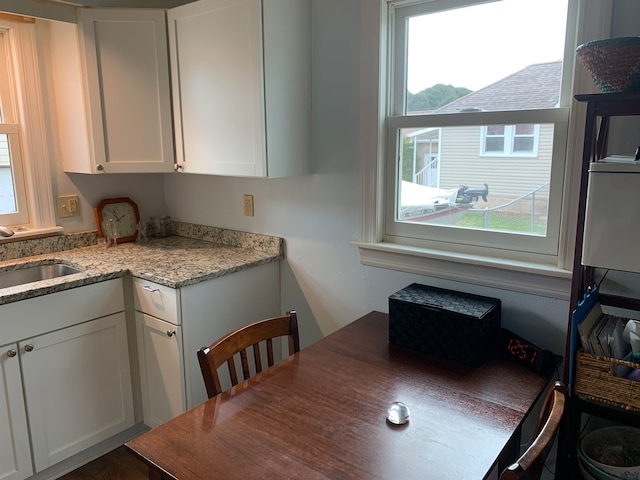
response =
{"points": [[26, 199], [437, 51], [450, 83], [13, 193]]}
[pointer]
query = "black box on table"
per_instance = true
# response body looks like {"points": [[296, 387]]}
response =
{"points": [[454, 325]]}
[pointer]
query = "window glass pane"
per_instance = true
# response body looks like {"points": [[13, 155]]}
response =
{"points": [[460, 60], [494, 144], [523, 144], [525, 129], [495, 130], [7, 193], [445, 180]]}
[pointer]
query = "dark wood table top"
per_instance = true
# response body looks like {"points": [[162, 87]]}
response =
{"points": [[320, 414]]}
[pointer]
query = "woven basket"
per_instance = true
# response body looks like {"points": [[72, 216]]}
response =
{"points": [[595, 380], [614, 63]]}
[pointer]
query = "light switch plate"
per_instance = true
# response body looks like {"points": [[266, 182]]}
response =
{"points": [[248, 205]]}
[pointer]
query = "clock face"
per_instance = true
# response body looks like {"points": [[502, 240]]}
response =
{"points": [[120, 214], [123, 216]]}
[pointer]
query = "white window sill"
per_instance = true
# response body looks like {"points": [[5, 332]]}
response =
{"points": [[524, 277], [23, 233]]}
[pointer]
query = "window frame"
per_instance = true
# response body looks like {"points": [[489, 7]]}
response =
{"points": [[26, 42], [10, 128], [478, 266], [516, 246]]}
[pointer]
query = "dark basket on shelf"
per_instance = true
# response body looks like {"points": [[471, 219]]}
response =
{"points": [[614, 63], [596, 380]]}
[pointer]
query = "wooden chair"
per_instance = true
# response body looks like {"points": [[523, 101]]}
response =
{"points": [[531, 463], [223, 350]]}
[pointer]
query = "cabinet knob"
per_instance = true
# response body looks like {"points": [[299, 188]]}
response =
{"points": [[171, 333], [28, 348], [177, 167], [100, 167], [11, 353]]}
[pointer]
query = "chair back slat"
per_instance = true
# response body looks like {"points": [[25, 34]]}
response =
{"points": [[269, 352], [245, 365], [232, 371], [237, 342], [257, 359]]}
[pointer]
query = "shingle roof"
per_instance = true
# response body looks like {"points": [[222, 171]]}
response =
{"points": [[535, 86]]}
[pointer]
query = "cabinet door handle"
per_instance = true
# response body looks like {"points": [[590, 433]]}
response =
{"points": [[149, 289], [11, 353], [28, 348], [171, 333]]}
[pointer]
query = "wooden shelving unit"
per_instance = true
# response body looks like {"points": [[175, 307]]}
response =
{"points": [[600, 109]]}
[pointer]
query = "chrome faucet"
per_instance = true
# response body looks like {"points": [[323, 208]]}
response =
{"points": [[5, 231]]}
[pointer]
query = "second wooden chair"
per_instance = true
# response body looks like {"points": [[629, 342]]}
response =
{"points": [[531, 463]]}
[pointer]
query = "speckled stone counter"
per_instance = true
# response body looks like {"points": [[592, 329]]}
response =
{"points": [[193, 254]]}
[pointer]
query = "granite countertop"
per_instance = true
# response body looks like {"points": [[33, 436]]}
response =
{"points": [[175, 261]]}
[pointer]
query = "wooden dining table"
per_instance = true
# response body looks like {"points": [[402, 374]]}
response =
{"points": [[321, 414]]}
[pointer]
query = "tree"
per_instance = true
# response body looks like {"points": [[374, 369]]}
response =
{"points": [[434, 97]]}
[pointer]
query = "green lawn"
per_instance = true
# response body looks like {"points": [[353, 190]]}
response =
{"points": [[509, 223]]}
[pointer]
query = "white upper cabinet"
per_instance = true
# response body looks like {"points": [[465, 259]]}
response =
{"points": [[241, 84], [112, 89]]}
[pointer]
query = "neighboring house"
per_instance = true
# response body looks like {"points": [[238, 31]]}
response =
{"points": [[495, 154]]}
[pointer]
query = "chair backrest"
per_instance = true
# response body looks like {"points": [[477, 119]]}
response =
{"points": [[239, 341], [531, 463]]}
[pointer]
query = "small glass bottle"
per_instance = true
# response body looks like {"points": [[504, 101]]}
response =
{"points": [[161, 225]]}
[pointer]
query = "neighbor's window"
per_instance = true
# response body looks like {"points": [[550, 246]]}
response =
{"points": [[477, 123], [512, 140], [13, 198]]}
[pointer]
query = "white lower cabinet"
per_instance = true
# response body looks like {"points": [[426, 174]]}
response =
{"points": [[15, 458], [77, 386], [160, 358], [65, 368], [172, 324]]}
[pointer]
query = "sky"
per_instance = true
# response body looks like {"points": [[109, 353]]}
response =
{"points": [[476, 46]]}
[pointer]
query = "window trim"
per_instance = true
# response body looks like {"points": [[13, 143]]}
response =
{"points": [[527, 277]]}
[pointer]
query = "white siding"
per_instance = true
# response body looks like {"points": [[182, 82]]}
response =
{"points": [[507, 177]]}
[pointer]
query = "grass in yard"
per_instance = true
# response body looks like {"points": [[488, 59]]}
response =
{"points": [[509, 223]]}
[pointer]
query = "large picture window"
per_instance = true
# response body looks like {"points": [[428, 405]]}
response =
{"points": [[477, 124]]}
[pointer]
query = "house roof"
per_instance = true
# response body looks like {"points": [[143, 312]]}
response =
{"points": [[535, 86]]}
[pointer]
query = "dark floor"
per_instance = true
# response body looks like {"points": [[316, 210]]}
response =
{"points": [[116, 465]]}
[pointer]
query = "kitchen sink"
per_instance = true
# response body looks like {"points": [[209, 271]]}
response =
{"points": [[35, 273]]}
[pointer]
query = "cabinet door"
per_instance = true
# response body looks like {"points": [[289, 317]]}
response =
{"points": [[15, 454], [216, 70], [112, 91], [161, 369], [77, 386]]}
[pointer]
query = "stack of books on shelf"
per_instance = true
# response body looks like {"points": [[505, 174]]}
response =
{"points": [[602, 334]]}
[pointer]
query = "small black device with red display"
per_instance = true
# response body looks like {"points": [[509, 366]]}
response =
{"points": [[527, 353]]}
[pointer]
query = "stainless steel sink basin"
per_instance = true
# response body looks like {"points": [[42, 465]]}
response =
{"points": [[35, 273]]}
